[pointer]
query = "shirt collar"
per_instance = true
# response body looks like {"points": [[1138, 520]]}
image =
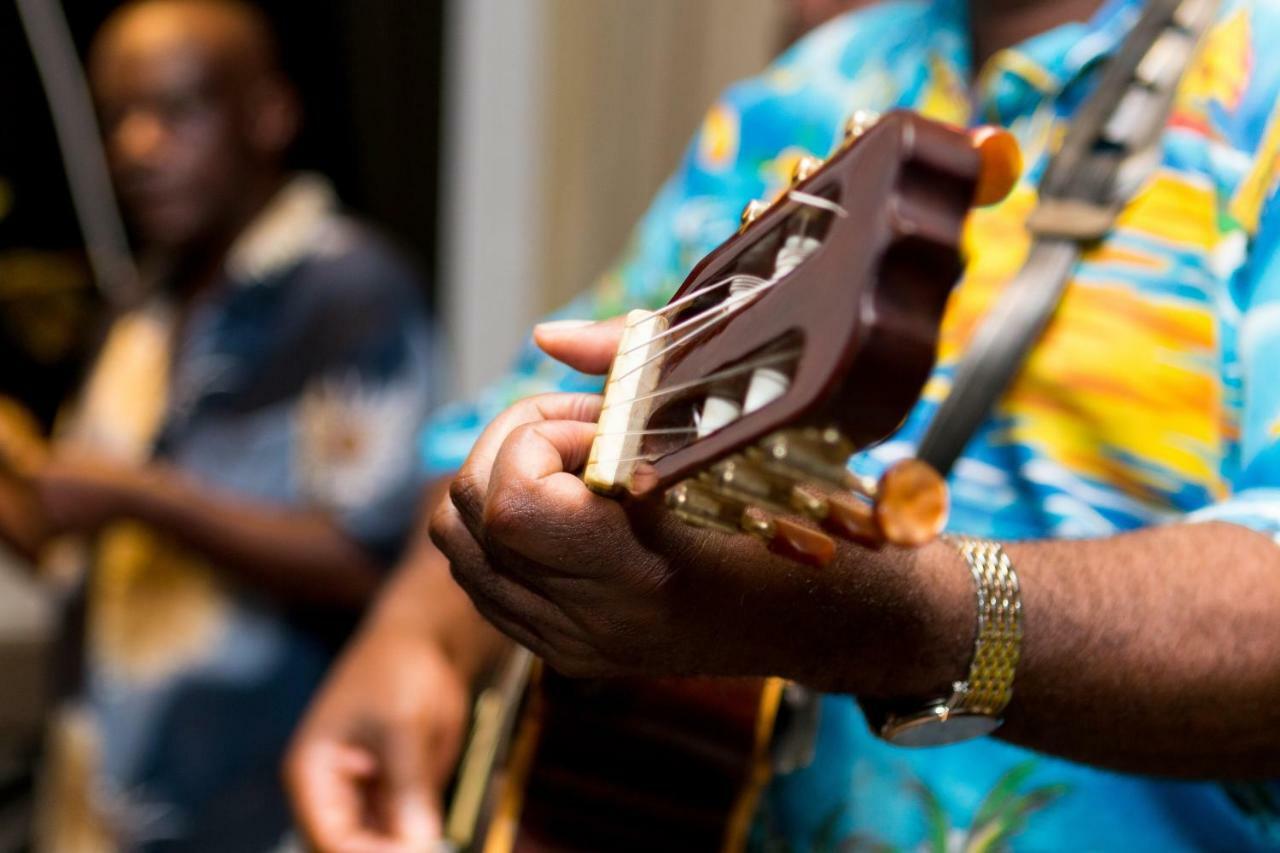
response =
{"points": [[291, 228], [1042, 66], [1045, 65]]}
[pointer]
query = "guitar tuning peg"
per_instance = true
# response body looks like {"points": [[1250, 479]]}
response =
{"points": [[696, 505], [911, 503], [801, 457], [859, 123], [1000, 166], [789, 539], [739, 479], [752, 212], [804, 168], [836, 443], [845, 515]]}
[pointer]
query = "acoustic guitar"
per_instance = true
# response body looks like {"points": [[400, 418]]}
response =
{"points": [[803, 339]]}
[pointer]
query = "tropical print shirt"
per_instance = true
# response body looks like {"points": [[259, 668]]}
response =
{"points": [[297, 383], [1152, 398]]}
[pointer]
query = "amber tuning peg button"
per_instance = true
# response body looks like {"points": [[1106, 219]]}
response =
{"points": [[911, 503], [854, 519], [790, 539], [1001, 164]]}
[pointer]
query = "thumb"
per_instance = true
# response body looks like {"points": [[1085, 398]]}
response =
{"points": [[413, 804], [581, 344]]}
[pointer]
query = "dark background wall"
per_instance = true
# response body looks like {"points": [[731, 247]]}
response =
{"points": [[369, 72]]}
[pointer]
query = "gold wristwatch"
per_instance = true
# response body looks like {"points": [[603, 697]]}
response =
{"points": [[974, 707]]}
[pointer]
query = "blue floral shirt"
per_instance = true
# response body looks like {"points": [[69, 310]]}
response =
{"points": [[297, 383], [1152, 398]]}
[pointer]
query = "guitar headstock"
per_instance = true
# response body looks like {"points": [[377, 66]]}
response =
{"points": [[802, 339]]}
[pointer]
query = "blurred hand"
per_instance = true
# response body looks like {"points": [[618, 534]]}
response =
{"points": [[22, 447], [367, 769], [23, 525], [78, 491], [45, 491]]}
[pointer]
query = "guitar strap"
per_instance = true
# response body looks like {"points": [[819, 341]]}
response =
{"points": [[1112, 144]]}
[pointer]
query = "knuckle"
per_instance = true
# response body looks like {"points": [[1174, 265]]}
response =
{"points": [[571, 406], [508, 514], [441, 526], [466, 491]]}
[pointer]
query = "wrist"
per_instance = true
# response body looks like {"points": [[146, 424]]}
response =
{"points": [[974, 705], [941, 640], [423, 605], [138, 493], [907, 621]]}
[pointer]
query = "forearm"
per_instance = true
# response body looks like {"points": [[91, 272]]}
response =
{"points": [[422, 600], [298, 555], [1156, 652], [1153, 652]]}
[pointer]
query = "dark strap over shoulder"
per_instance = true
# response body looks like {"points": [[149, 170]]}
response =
{"points": [[1112, 143]]}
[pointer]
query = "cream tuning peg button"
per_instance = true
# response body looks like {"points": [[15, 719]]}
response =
{"points": [[752, 212]]}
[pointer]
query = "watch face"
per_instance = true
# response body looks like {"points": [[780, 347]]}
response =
{"points": [[931, 728]]}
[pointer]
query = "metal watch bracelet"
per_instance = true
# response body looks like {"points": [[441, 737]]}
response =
{"points": [[974, 707], [998, 643]]}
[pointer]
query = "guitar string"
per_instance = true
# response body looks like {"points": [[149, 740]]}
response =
{"points": [[711, 379], [722, 312], [819, 202], [719, 306], [655, 431], [762, 284], [689, 297]]}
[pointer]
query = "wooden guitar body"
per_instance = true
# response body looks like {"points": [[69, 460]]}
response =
{"points": [[629, 765]]}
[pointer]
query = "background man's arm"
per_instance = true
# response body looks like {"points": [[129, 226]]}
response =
{"points": [[300, 555]]}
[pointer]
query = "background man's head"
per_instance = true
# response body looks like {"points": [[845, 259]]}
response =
{"points": [[196, 115]]}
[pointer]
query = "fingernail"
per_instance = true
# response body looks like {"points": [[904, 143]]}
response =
{"points": [[563, 325], [419, 820]]}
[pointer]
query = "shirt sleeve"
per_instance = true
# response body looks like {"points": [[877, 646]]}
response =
{"points": [[1254, 305], [744, 149], [356, 416]]}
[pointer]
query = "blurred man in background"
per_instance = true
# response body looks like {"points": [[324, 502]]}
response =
{"points": [[237, 462]]}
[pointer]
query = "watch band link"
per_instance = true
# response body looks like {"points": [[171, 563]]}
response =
{"points": [[998, 640]]}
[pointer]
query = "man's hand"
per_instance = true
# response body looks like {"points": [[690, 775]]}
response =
{"points": [[78, 492], [368, 767], [598, 589], [22, 448], [46, 491]]}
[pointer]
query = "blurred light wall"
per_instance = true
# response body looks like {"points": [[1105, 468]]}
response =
{"points": [[562, 118]]}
